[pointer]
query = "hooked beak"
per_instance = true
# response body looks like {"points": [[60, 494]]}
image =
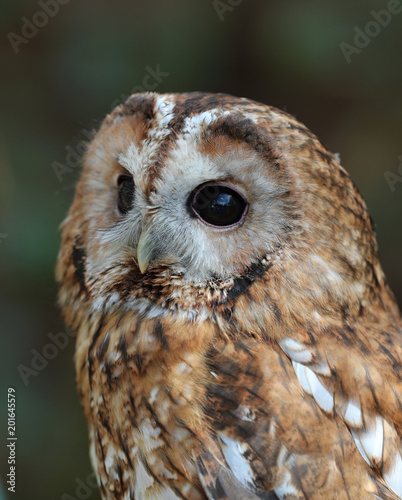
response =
{"points": [[146, 249]]}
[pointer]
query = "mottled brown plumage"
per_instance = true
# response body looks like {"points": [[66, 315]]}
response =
{"points": [[260, 359]]}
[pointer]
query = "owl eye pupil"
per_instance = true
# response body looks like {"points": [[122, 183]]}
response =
{"points": [[125, 193], [218, 206]]}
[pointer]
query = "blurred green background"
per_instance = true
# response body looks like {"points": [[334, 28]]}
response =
{"points": [[64, 79]]}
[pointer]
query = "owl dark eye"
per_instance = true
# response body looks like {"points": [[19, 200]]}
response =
{"points": [[218, 206], [125, 198]]}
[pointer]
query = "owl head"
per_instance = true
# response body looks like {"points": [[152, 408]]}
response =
{"points": [[193, 201]]}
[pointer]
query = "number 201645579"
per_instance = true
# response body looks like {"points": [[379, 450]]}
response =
{"points": [[11, 411]]}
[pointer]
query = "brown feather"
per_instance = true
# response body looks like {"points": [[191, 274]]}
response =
{"points": [[267, 365]]}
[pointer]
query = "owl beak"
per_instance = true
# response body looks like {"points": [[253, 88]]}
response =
{"points": [[146, 251]]}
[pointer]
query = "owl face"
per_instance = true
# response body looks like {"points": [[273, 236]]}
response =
{"points": [[207, 209], [200, 193]]}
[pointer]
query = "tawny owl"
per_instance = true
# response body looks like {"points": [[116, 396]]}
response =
{"points": [[236, 337]]}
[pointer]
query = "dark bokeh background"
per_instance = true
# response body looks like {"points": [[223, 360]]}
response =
{"points": [[65, 79]]}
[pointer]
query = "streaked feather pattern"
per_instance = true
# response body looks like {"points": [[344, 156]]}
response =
{"points": [[261, 361]]}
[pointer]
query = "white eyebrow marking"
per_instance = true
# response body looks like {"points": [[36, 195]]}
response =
{"points": [[163, 110], [194, 125]]}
